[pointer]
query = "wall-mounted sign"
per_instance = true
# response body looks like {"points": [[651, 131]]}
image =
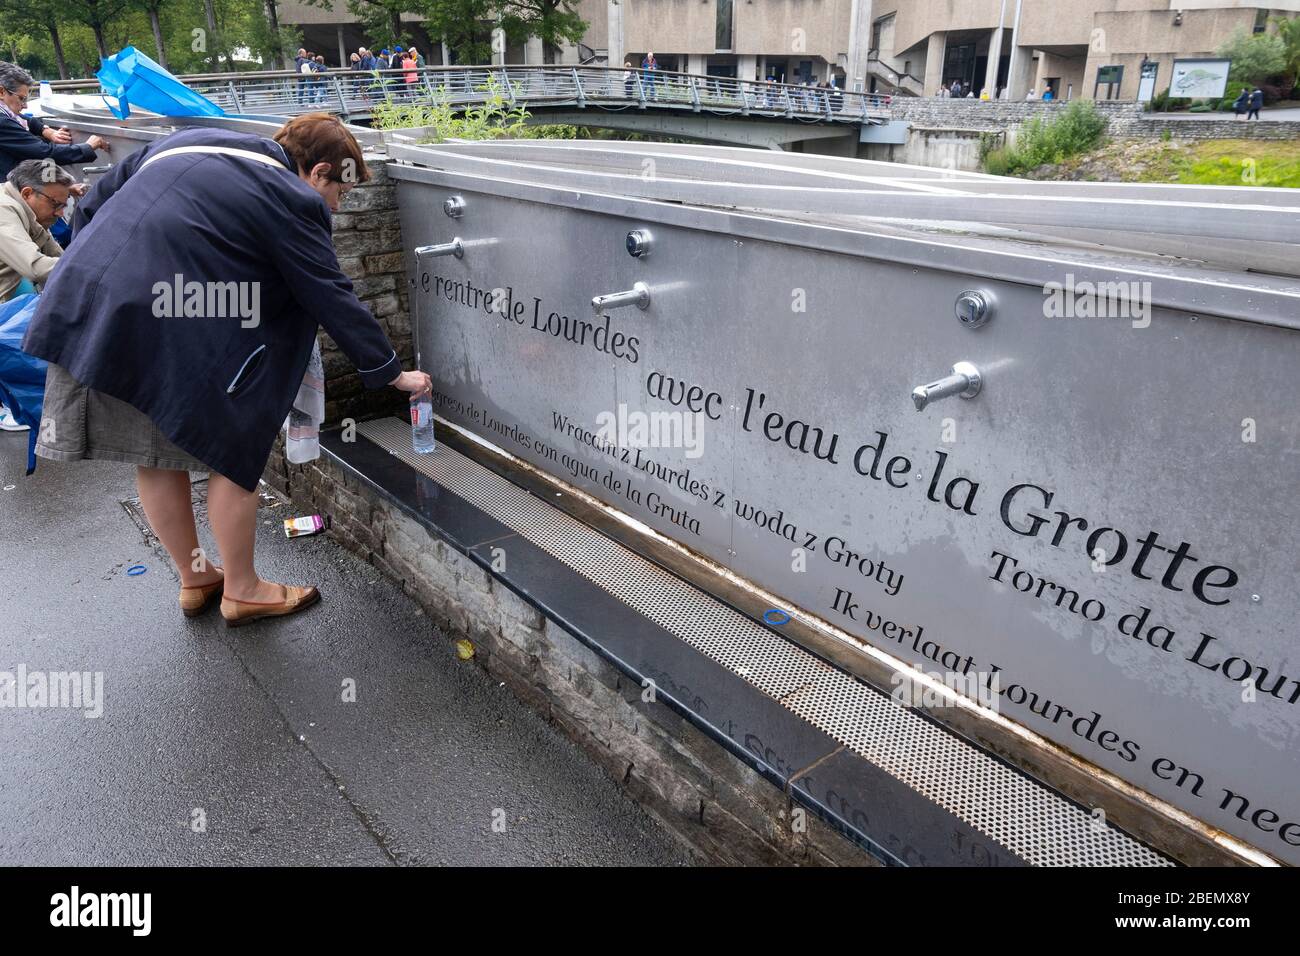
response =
{"points": [[1102, 537], [1109, 81], [1147, 81], [1199, 79]]}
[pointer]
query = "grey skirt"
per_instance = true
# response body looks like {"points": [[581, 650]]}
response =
{"points": [[79, 422]]}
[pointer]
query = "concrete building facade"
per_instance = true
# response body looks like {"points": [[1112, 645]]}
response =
{"points": [[1076, 48], [1094, 49], [336, 33]]}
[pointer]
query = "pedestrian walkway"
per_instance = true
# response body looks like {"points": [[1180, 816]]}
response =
{"points": [[247, 730], [1266, 115]]}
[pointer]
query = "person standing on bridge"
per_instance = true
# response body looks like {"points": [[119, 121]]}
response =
{"points": [[369, 64], [410, 73], [300, 66], [178, 327], [650, 65]]}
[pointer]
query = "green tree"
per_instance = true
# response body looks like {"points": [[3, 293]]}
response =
{"points": [[464, 25], [551, 21], [1288, 29], [382, 19], [1255, 58], [153, 10], [99, 15], [37, 19], [274, 41]]}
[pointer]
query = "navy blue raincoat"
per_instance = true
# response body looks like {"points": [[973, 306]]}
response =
{"points": [[122, 315]]}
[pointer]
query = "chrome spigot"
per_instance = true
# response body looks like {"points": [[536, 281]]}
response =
{"points": [[454, 248], [638, 295], [965, 381]]}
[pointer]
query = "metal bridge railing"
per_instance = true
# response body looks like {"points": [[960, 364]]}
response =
{"points": [[353, 93]]}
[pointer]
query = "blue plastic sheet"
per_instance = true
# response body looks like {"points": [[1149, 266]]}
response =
{"points": [[132, 79], [22, 377]]}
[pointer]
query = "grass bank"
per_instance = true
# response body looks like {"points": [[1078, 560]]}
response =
{"points": [[1226, 162]]}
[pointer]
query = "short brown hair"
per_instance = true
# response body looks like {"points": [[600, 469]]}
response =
{"points": [[322, 138]]}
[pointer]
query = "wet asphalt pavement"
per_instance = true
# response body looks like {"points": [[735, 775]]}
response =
{"points": [[220, 746]]}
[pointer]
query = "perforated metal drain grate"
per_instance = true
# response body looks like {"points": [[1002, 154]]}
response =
{"points": [[1026, 818]]}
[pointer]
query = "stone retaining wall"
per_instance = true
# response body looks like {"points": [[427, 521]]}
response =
{"points": [[368, 239], [1126, 120]]}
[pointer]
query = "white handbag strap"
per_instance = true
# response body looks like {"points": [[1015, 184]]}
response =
{"points": [[220, 150]]}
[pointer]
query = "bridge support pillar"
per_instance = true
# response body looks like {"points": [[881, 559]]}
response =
{"points": [[534, 52]]}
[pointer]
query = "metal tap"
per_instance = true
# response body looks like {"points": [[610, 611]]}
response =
{"points": [[454, 248], [638, 295], [965, 381]]}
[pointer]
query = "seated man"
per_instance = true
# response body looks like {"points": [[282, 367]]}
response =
{"points": [[35, 195]]}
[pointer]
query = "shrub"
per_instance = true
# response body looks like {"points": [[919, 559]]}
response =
{"points": [[1078, 129], [1255, 57], [491, 119], [990, 142], [998, 161]]}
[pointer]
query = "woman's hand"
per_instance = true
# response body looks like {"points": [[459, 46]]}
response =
{"points": [[417, 383], [99, 143], [59, 136]]}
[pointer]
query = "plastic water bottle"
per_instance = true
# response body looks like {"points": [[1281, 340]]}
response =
{"points": [[422, 425]]}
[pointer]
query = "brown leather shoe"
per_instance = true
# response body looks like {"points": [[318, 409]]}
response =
{"points": [[239, 613], [196, 600]]}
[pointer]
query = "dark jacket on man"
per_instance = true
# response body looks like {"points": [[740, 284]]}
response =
{"points": [[218, 384], [17, 144]]}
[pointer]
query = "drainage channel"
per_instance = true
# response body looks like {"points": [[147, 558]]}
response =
{"points": [[1031, 821]]}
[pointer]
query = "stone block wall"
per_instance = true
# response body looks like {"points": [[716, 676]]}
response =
{"points": [[1153, 126], [1127, 120], [368, 240], [935, 112]]}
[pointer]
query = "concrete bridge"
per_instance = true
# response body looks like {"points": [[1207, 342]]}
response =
{"points": [[709, 109]]}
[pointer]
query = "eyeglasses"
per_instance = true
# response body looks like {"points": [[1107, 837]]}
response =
{"points": [[58, 206], [22, 97]]}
